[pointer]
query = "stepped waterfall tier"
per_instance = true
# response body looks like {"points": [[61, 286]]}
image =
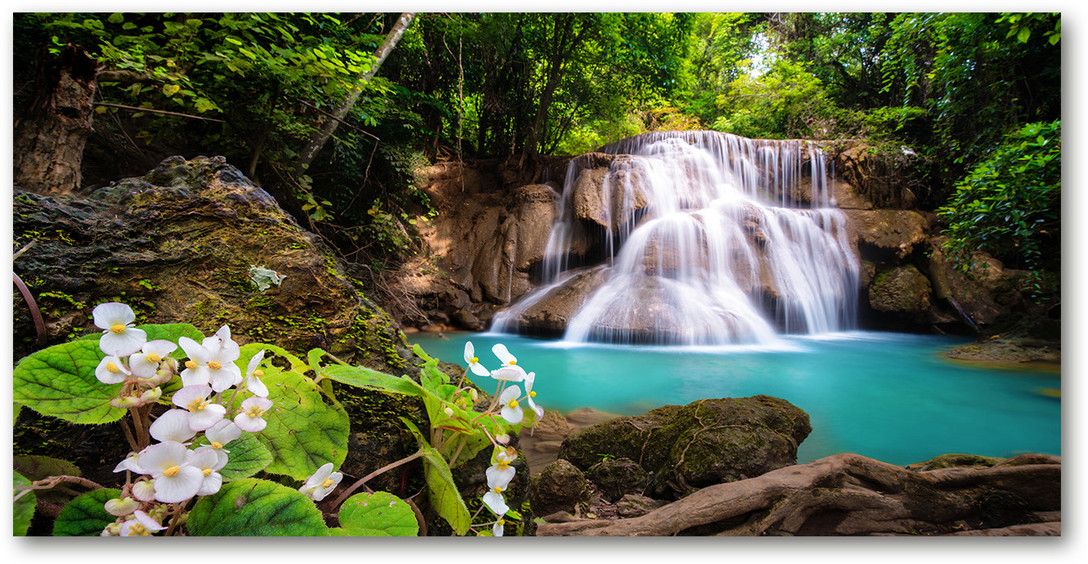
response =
{"points": [[696, 238]]}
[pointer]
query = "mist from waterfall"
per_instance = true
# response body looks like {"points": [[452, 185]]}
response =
{"points": [[705, 239]]}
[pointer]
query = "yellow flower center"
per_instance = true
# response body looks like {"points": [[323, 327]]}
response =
{"points": [[152, 357], [118, 328], [474, 360], [190, 364], [254, 411], [112, 367], [139, 530], [327, 483], [207, 471], [513, 362], [197, 404], [217, 445], [214, 365], [497, 489], [513, 403], [503, 465], [258, 373], [172, 471], [501, 522], [532, 394]]}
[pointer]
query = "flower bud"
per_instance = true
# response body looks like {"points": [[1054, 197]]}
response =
{"points": [[151, 396], [472, 393], [112, 530], [448, 411], [122, 506], [144, 490], [125, 402], [503, 438]]}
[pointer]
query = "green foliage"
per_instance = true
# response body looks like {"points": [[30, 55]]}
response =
{"points": [[85, 515], [783, 100], [377, 514], [23, 507], [441, 488], [60, 382], [1009, 205], [252, 507], [248, 456], [303, 430]]}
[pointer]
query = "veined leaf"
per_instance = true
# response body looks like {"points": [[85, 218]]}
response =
{"points": [[59, 381], [253, 507], [441, 489], [303, 431], [85, 516], [23, 509], [378, 514]]}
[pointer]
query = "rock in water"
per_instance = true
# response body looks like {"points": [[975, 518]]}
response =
{"points": [[699, 444]]}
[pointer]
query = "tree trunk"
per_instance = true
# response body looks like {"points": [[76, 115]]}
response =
{"points": [[48, 141], [306, 157], [848, 494]]}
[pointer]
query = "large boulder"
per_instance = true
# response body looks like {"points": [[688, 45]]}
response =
{"points": [[195, 242], [902, 292], [560, 486], [699, 444]]}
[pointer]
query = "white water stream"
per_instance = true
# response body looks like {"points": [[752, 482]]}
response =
{"points": [[714, 239]]}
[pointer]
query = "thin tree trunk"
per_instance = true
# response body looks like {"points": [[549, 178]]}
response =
{"points": [[48, 143], [306, 157]]}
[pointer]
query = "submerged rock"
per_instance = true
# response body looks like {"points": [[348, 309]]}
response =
{"points": [[703, 443]]}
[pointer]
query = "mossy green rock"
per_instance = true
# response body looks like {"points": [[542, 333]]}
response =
{"points": [[902, 291], [560, 486], [696, 445], [955, 461], [178, 245]]}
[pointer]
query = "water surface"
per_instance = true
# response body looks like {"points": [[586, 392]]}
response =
{"points": [[888, 396]]}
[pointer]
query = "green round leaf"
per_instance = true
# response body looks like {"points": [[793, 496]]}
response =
{"points": [[85, 516], [59, 381], [253, 507], [378, 514], [23, 509], [303, 431]]}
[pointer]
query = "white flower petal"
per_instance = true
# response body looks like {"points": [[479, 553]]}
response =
{"points": [[499, 477], [112, 313], [510, 373], [206, 417], [179, 487], [107, 376], [225, 377], [127, 342], [171, 426], [494, 501], [470, 352], [159, 457], [504, 355], [223, 432]]}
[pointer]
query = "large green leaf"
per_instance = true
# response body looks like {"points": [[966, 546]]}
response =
{"points": [[246, 456], [86, 515], [253, 507], [59, 381], [441, 489], [23, 509], [378, 514], [361, 377], [37, 467], [303, 431]]}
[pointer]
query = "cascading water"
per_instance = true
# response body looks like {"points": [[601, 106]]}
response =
{"points": [[701, 238]]}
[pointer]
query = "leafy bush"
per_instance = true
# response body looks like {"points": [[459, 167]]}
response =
{"points": [[1009, 205]]}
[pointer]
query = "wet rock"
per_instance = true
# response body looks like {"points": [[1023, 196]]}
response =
{"points": [[561, 486], [615, 478], [902, 291], [705, 442], [955, 461]]}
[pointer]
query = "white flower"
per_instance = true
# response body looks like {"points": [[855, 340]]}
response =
{"points": [[501, 472], [211, 361], [504, 355], [141, 525], [119, 507], [249, 419], [175, 479], [321, 483], [510, 410], [119, 336], [145, 363], [493, 498], [252, 379], [223, 432], [129, 464], [530, 394], [172, 426], [111, 370], [472, 361], [207, 460], [510, 373], [496, 529], [202, 413], [144, 490]]}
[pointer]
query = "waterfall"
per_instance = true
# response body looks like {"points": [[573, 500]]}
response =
{"points": [[702, 238]]}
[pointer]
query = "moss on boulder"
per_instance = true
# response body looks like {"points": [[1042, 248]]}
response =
{"points": [[696, 445]]}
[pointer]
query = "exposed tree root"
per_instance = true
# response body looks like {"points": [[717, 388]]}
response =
{"points": [[848, 494]]}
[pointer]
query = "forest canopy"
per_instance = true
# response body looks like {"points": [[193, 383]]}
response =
{"points": [[969, 95]]}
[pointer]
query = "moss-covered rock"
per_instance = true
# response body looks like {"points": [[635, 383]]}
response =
{"points": [[560, 486], [902, 291], [615, 478], [696, 445]]}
